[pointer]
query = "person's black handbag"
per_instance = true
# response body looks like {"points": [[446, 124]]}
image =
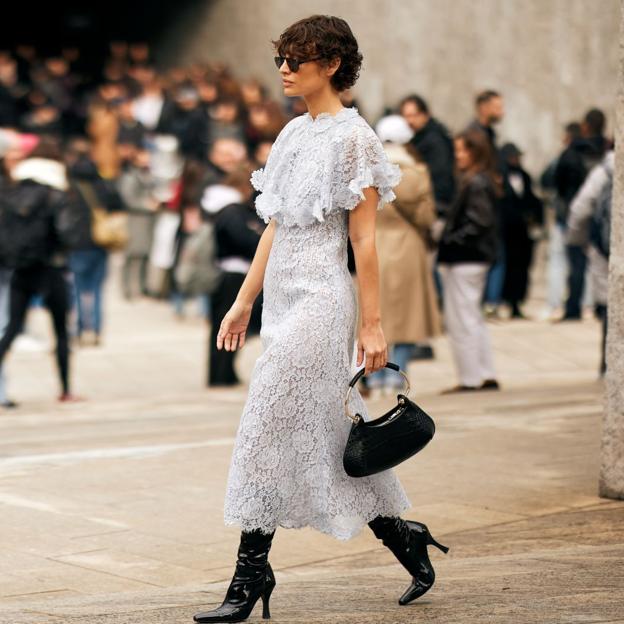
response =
{"points": [[386, 441]]}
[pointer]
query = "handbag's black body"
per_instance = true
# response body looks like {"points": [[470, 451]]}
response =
{"points": [[386, 441]]}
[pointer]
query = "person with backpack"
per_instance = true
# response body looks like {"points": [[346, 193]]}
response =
{"points": [[14, 147], [589, 227], [33, 244], [573, 165], [237, 232]]}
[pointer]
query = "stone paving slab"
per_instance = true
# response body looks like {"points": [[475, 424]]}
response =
{"points": [[111, 509], [561, 567]]}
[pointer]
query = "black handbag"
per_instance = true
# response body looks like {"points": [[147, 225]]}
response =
{"points": [[386, 441]]}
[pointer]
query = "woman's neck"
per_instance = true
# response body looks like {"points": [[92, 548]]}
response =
{"points": [[325, 102]]}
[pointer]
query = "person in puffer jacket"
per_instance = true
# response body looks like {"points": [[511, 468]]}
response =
{"points": [[36, 197]]}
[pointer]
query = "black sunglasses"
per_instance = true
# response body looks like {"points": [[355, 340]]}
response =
{"points": [[293, 63]]}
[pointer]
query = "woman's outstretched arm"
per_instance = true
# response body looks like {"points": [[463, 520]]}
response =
{"points": [[371, 340], [234, 325]]}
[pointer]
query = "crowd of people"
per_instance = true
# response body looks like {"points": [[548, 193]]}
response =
{"points": [[156, 165]]}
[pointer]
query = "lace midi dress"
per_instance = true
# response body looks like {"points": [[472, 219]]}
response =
{"points": [[286, 467]]}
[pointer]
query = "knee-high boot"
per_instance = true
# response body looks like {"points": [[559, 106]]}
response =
{"points": [[253, 578], [408, 541]]}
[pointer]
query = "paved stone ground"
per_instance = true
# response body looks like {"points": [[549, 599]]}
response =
{"points": [[111, 510]]}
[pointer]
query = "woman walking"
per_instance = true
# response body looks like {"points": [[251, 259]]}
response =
{"points": [[325, 177], [467, 249]]}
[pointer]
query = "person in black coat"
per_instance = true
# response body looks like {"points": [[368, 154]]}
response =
{"points": [[435, 146], [522, 211], [237, 230]]}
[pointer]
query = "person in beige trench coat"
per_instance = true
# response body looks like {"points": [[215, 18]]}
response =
{"points": [[409, 308]]}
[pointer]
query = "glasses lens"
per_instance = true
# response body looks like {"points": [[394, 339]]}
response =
{"points": [[293, 64]]}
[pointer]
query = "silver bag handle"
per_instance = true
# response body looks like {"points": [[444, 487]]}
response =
{"points": [[356, 417]]}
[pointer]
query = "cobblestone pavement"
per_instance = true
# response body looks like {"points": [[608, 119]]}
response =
{"points": [[111, 509]]}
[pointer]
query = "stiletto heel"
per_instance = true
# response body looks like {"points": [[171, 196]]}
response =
{"points": [[266, 615], [408, 541], [253, 579], [433, 542]]}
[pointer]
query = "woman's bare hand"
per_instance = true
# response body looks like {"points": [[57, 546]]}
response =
{"points": [[371, 342], [234, 327]]}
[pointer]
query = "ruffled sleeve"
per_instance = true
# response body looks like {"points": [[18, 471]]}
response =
{"points": [[362, 163], [269, 202], [257, 179]]}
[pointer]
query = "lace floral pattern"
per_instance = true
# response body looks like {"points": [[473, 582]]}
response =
{"points": [[317, 166], [286, 468]]}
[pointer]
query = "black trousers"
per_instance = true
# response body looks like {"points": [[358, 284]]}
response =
{"points": [[50, 283], [576, 280], [221, 362]]}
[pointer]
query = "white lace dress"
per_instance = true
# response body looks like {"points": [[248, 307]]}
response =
{"points": [[286, 468]]}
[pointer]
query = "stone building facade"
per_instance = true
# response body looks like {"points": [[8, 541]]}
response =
{"points": [[552, 59]]}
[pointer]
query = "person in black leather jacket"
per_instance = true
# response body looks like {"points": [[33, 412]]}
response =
{"points": [[468, 247]]}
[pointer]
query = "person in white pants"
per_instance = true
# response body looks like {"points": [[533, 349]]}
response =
{"points": [[468, 247], [470, 340]]}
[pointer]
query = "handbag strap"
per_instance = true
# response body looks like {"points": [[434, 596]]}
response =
{"points": [[88, 193], [356, 418]]}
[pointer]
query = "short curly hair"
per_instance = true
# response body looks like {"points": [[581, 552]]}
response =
{"points": [[326, 36]]}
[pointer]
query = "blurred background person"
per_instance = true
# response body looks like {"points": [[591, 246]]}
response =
{"points": [[136, 186], [557, 270], [522, 222], [490, 110], [187, 204], [5, 291], [589, 226], [468, 247], [88, 260], [103, 129], [572, 168], [237, 230], [434, 143], [409, 312], [9, 157], [33, 245]]}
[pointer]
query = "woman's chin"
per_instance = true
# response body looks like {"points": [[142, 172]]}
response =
{"points": [[289, 90]]}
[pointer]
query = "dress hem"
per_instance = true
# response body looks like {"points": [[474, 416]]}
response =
{"points": [[342, 536]]}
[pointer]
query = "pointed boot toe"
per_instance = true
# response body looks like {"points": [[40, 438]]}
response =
{"points": [[417, 588]]}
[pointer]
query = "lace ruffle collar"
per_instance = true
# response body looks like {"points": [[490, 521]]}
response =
{"points": [[325, 120]]}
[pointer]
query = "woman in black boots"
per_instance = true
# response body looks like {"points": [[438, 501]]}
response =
{"points": [[325, 178]]}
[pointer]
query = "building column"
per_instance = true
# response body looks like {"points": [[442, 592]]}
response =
{"points": [[612, 452]]}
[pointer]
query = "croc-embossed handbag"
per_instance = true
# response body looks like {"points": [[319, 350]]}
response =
{"points": [[384, 442]]}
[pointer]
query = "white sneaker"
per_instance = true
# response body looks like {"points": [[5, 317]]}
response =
{"points": [[26, 343]]}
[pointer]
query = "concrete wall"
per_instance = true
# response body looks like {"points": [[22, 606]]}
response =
{"points": [[552, 59], [612, 466]]}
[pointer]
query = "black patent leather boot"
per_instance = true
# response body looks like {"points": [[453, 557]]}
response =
{"points": [[408, 541], [253, 579]]}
